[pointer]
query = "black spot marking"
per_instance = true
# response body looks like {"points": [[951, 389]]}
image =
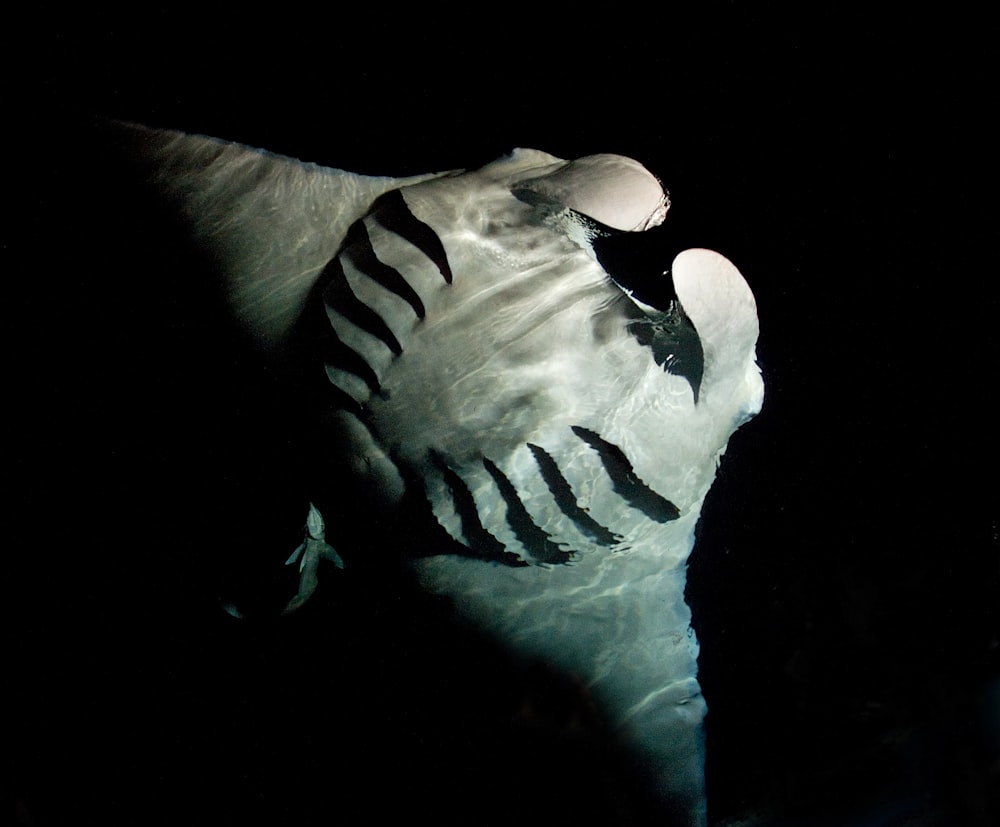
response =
{"points": [[536, 541], [624, 479], [566, 499]]}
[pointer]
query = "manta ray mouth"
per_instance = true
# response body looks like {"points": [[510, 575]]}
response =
{"points": [[635, 262]]}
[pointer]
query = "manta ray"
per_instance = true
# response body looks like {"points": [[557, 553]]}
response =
{"points": [[466, 355]]}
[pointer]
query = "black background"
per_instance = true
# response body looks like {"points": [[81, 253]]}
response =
{"points": [[845, 584]]}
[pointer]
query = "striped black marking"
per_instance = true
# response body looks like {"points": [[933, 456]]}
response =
{"points": [[340, 297], [536, 541], [625, 481], [393, 213], [563, 494], [479, 540], [359, 249]]}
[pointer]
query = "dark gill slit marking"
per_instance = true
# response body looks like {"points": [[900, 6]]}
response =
{"points": [[340, 297], [484, 545], [563, 494], [338, 355], [358, 247], [393, 213], [536, 541], [624, 480]]}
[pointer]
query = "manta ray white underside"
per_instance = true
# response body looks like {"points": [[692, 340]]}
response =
{"points": [[467, 346]]}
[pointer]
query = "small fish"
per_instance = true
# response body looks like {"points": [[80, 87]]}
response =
{"points": [[312, 549]]}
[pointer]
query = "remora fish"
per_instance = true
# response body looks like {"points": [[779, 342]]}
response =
{"points": [[468, 348]]}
